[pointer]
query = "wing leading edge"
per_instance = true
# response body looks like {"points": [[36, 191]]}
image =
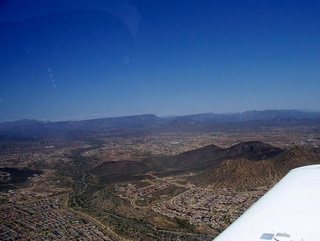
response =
{"points": [[290, 211]]}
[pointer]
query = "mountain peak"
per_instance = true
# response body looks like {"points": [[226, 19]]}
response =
{"points": [[254, 150]]}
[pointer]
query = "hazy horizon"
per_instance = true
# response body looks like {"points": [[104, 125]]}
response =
{"points": [[93, 117]]}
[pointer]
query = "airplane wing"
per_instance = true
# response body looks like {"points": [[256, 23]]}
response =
{"points": [[290, 211]]}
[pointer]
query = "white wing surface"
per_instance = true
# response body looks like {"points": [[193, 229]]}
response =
{"points": [[290, 211]]}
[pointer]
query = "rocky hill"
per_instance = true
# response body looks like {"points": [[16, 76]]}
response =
{"points": [[246, 165], [243, 166], [296, 157], [247, 174]]}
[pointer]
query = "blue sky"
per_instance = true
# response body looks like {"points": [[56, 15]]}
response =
{"points": [[66, 60]]}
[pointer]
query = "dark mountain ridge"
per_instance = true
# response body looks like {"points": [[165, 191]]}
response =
{"points": [[212, 155], [192, 161], [246, 165]]}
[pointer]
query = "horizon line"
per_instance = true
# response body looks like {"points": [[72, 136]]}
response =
{"points": [[101, 116]]}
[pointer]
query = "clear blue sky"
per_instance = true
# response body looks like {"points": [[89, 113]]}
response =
{"points": [[63, 60]]}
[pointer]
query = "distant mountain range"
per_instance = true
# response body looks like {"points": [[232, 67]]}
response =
{"points": [[142, 123], [38, 128], [266, 115]]}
